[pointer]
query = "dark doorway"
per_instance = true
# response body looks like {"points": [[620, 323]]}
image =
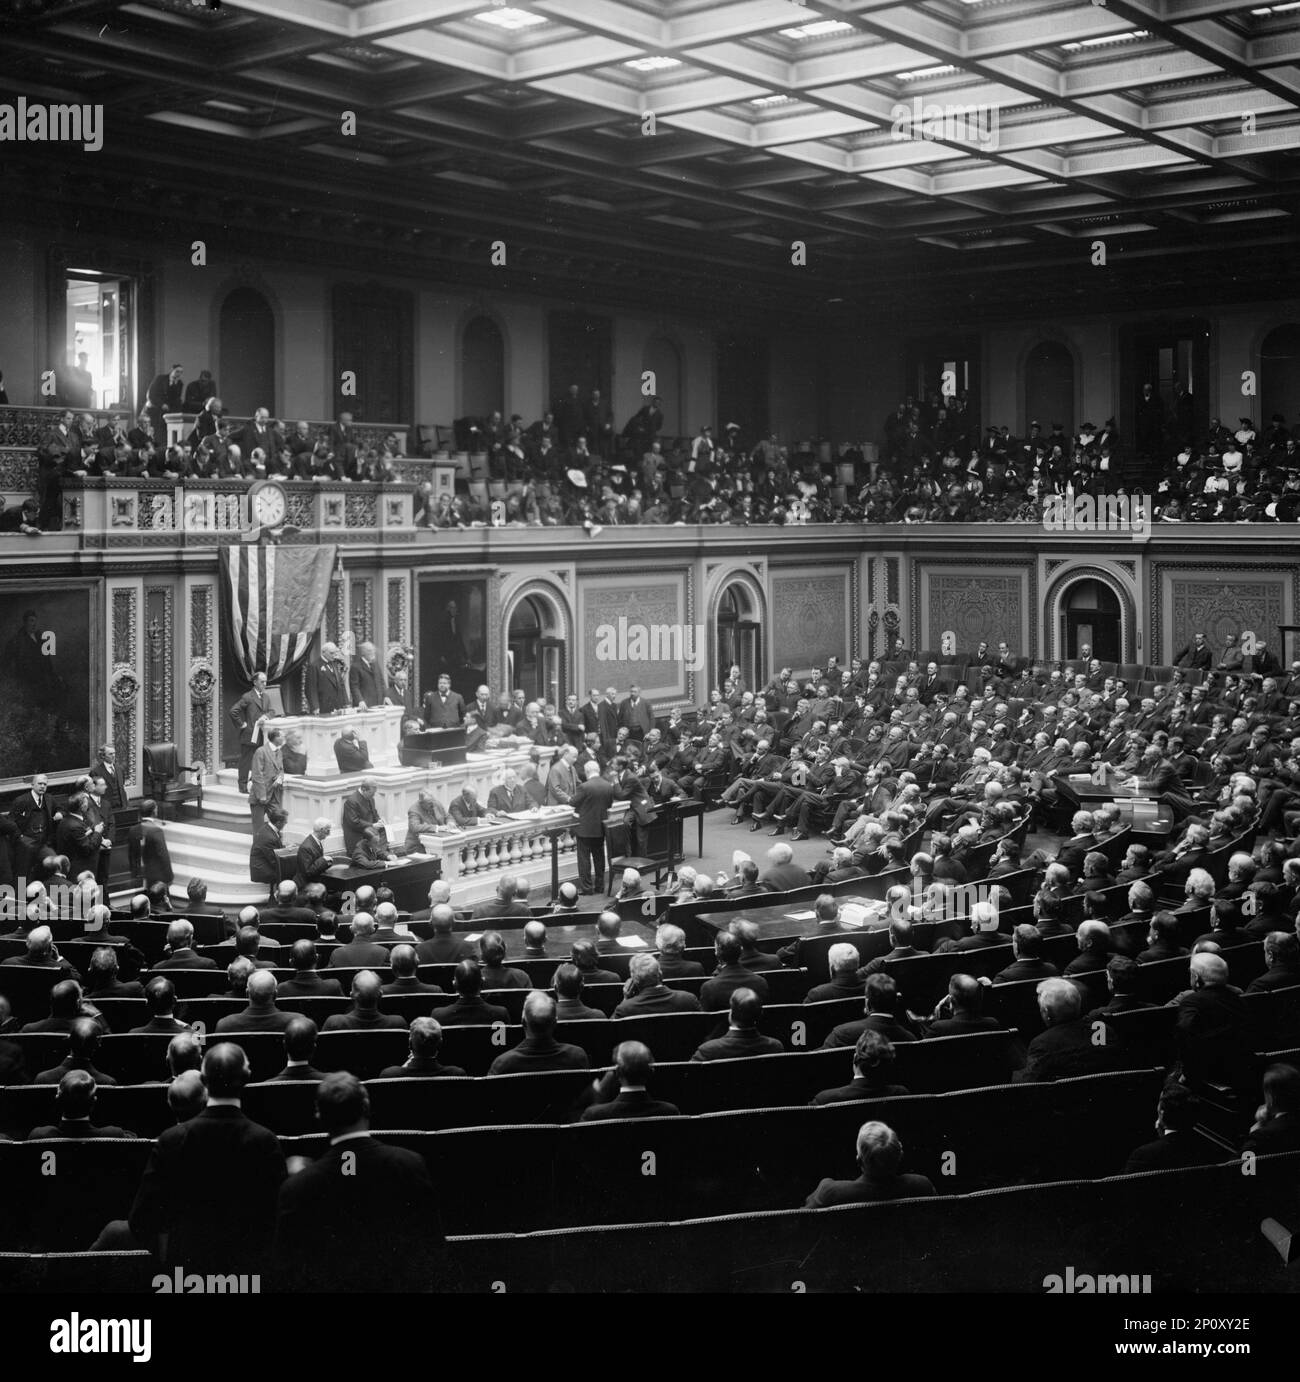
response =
{"points": [[1092, 616], [482, 369], [374, 347], [742, 387], [1049, 388], [1171, 356], [246, 353], [536, 655]]}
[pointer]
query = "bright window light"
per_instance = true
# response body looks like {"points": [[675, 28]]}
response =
{"points": [[1102, 42], [771, 100], [940, 71], [652, 64], [508, 18], [819, 28]]}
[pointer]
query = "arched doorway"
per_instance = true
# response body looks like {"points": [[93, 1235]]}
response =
{"points": [[1049, 387], [1279, 374], [535, 651], [738, 636], [1090, 614], [246, 353], [664, 361], [482, 368]]}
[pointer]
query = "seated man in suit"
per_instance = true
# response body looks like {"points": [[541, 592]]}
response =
{"points": [[670, 941], [469, 1009], [647, 993], [782, 873], [261, 1014], [405, 968], [351, 753], [731, 974], [299, 1048], [372, 848], [358, 1180], [587, 958], [539, 1049], [444, 947], [465, 809], [1068, 1046], [313, 862], [568, 985], [160, 996], [1177, 1143], [504, 904], [1277, 1121], [364, 1015], [881, 1005], [307, 981], [179, 952], [285, 908], [362, 951], [880, 1157], [240, 1165], [843, 962], [101, 976], [40, 952], [743, 1037], [83, 1045], [873, 1062], [496, 973], [422, 1063], [75, 1102], [508, 795], [426, 814], [622, 1093]]}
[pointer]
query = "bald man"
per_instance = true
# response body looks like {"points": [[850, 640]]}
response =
{"points": [[261, 1015], [238, 1164], [539, 1049], [633, 1066], [364, 1015]]}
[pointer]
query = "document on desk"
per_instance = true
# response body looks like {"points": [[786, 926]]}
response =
{"points": [[799, 916], [631, 942]]}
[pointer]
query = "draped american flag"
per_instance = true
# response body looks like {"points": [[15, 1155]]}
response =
{"points": [[276, 599]]}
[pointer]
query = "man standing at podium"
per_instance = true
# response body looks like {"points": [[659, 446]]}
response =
{"points": [[366, 680], [443, 708], [327, 686], [359, 812], [247, 715], [592, 801]]}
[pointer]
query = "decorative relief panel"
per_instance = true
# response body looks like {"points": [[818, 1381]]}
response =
{"points": [[398, 624], [1203, 603], [124, 634], [158, 661], [977, 608], [809, 619], [201, 680], [362, 621], [645, 636]]}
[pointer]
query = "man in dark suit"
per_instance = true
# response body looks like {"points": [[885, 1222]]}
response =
{"points": [[160, 997], [508, 795], [246, 715], [147, 852], [166, 394], [636, 714], [1069, 1045], [75, 1102], [179, 952], [351, 753], [263, 862], [539, 1049], [633, 1066], [469, 1009], [743, 1037], [362, 951], [1277, 1122], [873, 1061], [731, 974], [1027, 947], [238, 1163], [83, 1045], [261, 1014], [592, 801], [444, 947], [307, 982], [782, 873], [357, 1181], [1212, 1029], [569, 1007], [881, 1006], [647, 993], [34, 814], [670, 941], [105, 766], [359, 813], [1177, 1142], [443, 708], [366, 681], [465, 809], [423, 1062], [607, 716], [406, 977], [880, 1155], [299, 1048], [326, 684], [364, 1015], [504, 904]]}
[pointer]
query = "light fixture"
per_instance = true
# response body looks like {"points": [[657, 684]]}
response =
{"points": [[656, 64], [818, 28], [506, 17], [1127, 37], [940, 71], [771, 100]]}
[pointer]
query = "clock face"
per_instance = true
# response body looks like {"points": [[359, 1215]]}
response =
{"points": [[268, 506]]}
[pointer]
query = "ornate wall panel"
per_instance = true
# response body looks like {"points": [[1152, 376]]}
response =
{"points": [[363, 623], [640, 629], [159, 661], [399, 623], [124, 681], [201, 674], [810, 617], [975, 605], [1218, 599]]}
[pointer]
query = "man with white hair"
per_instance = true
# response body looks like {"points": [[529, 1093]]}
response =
{"points": [[1093, 938], [782, 873], [843, 961], [631, 886], [1071, 1044], [1212, 1028], [41, 953], [362, 951], [592, 800], [670, 941], [880, 1158], [312, 861], [983, 931], [366, 681]]}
